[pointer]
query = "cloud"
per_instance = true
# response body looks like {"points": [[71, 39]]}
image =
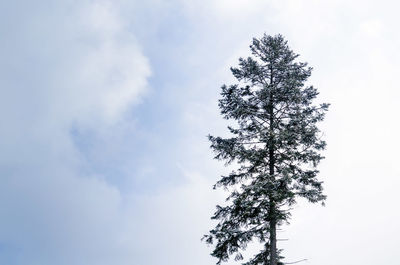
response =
{"points": [[72, 73], [66, 66]]}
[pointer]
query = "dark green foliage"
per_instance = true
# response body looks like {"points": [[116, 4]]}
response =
{"points": [[276, 145]]}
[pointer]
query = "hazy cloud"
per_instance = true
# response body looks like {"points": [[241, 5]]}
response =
{"points": [[90, 176]]}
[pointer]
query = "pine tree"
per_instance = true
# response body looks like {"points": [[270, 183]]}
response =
{"points": [[276, 146]]}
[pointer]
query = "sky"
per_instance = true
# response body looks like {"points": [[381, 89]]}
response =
{"points": [[105, 107]]}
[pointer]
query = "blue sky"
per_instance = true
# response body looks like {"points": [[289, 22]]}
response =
{"points": [[105, 107]]}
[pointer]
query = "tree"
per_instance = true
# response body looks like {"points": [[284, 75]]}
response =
{"points": [[276, 146]]}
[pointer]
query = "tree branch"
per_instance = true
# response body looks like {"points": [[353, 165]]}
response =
{"points": [[295, 261]]}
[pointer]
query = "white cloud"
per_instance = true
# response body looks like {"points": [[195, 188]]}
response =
{"points": [[77, 65], [109, 74], [66, 66]]}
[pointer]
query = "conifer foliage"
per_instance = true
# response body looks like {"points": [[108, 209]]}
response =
{"points": [[276, 146]]}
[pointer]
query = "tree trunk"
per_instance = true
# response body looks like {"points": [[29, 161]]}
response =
{"points": [[272, 214], [272, 239], [272, 221]]}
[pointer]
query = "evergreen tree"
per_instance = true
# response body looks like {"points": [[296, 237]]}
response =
{"points": [[276, 145]]}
